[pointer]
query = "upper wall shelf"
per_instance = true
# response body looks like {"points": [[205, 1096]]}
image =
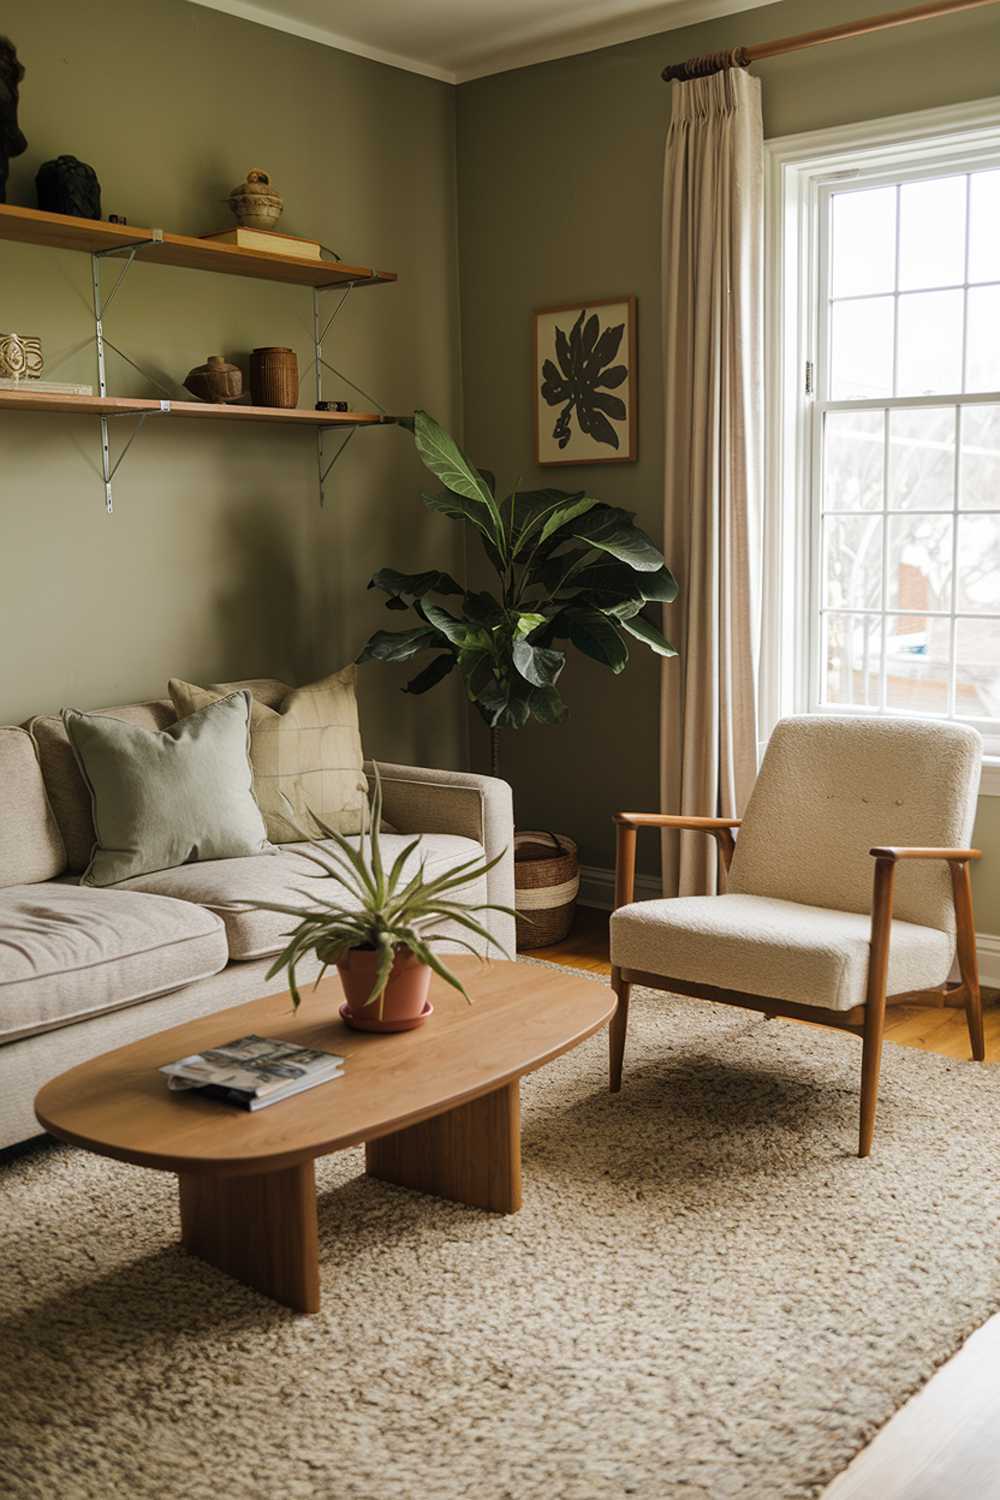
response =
{"points": [[126, 406], [31, 226]]}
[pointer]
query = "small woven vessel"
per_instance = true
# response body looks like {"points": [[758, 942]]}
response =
{"points": [[546, 884], [274, 377]]}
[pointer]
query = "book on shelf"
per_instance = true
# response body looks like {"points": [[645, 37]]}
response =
{"points": [[270, 240], [253, 1071], [46, 387]]}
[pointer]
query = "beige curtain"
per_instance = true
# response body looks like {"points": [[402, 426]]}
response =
{"points": [[713, 374]]}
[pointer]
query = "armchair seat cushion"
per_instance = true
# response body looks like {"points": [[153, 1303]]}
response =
{"points": [[221, 885], [811, 955]]}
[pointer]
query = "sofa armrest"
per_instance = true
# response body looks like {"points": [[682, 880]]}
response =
{"points": [[418, 800]]}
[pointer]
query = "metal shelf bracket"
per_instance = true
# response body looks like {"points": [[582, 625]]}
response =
{"points": [[102, 343], [127, 254]]}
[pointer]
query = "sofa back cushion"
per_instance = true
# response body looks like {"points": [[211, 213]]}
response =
{"points": [[66, 787], [31, 846], [306, 754]]}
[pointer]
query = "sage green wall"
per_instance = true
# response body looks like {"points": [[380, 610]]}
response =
{"points": [[218, 562], [560, 170]]}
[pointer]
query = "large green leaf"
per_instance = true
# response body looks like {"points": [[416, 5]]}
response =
{"points": [[489, 695], [595, 636], [432, 674], [410, 586], [399, 645], [459, 508], [514, 714], [619, 579], [459, 632], [527, 621], [540, 513], [537, 664], [547, 706], [483, 609], [566, 513], [618, 535], [441, 454], [643, 630]]}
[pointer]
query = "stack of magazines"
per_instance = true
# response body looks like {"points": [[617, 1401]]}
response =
{"points": [[254, 1071]]}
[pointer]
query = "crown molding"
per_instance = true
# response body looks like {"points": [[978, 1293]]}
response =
{"points": [[587, 29], [590, 28], [245, 10]]}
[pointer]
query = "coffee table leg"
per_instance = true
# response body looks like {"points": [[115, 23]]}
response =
{"points": [[260, 1229], [471, 1154]]}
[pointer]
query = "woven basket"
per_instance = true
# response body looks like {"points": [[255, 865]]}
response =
{"points": [[274, 377], [546, 881]]}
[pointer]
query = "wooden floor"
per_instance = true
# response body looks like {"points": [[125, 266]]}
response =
{"points": [[944, 1444]]}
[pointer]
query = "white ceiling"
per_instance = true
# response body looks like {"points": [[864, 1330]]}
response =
{"points": [[456, 40]]}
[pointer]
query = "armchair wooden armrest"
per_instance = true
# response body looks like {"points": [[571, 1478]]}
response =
{"points": [[895, 852], [629, 823], [674, 820]]}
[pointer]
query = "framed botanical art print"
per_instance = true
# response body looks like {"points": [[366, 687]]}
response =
{"points": [[585, 383]]}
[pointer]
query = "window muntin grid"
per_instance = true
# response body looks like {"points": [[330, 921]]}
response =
{"points": [[906, 558]]}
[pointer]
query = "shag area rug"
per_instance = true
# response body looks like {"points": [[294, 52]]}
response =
{"points": [[706, 1294]]}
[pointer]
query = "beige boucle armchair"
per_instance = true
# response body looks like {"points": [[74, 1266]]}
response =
{"points": [[802, 929]]}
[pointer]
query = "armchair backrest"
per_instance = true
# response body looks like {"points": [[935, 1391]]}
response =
{"points": [[831, 788]]}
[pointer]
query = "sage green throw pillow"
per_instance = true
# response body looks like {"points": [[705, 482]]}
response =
{"points": [[169, 797]]}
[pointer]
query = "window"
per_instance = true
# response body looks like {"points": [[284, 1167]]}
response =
{"points": [[888, 321]]}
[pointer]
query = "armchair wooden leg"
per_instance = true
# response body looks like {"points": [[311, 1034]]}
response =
{"points": [[878, 972], [871, 1064], [968, 965], [617, 1030], [974, 1020]]}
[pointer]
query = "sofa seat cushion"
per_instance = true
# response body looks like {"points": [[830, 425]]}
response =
{"points": [[68, 953], [808, 954], [222, 885]]}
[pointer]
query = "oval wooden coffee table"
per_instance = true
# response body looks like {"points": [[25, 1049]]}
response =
{"points": [[437, 1108]]}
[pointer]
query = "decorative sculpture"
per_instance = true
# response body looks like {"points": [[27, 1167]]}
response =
{"points": [[20, 356], [68, 186], [12, 142], [255, 203]]}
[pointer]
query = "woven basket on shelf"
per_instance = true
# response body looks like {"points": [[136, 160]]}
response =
{"points": [[274, 377], [546, 881]]}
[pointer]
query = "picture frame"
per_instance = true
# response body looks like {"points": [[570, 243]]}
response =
{"points": [[609, 433]]}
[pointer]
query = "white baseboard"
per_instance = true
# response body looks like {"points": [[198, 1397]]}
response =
{"points": [[597, 888], [988, 950]]}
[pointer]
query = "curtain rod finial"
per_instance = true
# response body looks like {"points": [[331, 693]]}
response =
{"points": [[701, 67]]}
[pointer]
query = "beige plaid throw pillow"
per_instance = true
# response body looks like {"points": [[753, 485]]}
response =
{"points": [[308, 750]]}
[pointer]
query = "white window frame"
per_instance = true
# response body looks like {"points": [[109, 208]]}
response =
{"points": [[799, 169]]}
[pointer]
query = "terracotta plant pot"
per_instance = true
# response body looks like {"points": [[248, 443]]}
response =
{"points": [[404, 1003]]}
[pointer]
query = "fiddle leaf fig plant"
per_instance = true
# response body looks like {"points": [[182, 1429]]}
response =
{"points": [[571, 571]]}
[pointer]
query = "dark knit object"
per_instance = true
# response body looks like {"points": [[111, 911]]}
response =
{"points": [[68, 186]]}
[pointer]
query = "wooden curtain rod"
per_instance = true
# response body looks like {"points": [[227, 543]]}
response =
{"points": [[742, 57]]}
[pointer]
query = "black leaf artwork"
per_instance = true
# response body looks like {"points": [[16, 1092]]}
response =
{"points": [[584, 378]]}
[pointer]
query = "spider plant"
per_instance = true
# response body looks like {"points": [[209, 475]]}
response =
{"points": [[387, 911]]}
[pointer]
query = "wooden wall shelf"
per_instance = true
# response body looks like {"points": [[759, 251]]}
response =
{"points": [[119, 406], [30, 226]]}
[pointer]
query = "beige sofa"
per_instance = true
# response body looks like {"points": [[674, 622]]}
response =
{"points": [[84, 970]]}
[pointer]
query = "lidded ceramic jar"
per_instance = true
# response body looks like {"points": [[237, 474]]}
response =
{"points": [[254, 203], [215, 380]]}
